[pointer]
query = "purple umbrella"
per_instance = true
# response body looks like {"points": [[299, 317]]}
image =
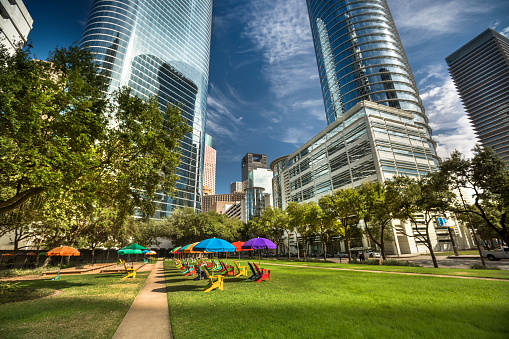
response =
{"points": [[259, 244]]}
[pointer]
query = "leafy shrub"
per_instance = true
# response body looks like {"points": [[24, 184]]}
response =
{"points": [[6, 287], [14, 272], [393, 262], [477, 266]]}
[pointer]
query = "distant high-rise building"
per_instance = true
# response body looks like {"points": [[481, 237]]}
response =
{"points": [[480, 70], [260, 177], [15, 23], [209, 165], [160, 48], [250, 162], [235, 186], [209, 200]]}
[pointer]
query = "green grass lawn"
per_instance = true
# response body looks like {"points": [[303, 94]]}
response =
{"points": [[497, 274], [320, 303], [90, 306]]}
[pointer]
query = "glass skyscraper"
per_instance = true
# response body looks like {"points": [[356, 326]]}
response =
{"points": [[360, 57], [160, 47]]}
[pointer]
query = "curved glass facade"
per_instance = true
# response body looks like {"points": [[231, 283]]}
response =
{"points": [[360, 57], [160, 47]]}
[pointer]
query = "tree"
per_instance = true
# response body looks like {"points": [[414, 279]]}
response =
{"points": [[427, 197], [59, 131], [297, 221], [52, 113], [486, 174], [342, 208], [376, 210], [272, 224]]}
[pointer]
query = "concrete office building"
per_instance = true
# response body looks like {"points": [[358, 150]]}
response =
{"points": [[160, 47], [15, 23], [209, 165], [480, 71]]}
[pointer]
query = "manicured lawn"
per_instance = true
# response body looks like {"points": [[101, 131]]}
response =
{"points": [[90, 306], [321, 303], [497, 274]]}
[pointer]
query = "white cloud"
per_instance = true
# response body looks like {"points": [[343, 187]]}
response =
{"points": [[419, 20], [505, 31], [451, 127], [280, 31], [222, 112]]}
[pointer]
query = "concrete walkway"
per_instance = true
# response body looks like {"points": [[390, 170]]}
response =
{"points": [[148, 316]]}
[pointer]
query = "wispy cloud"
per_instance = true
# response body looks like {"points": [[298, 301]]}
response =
{"points": [[432, 18], [451, 127], [280, 31], [505, 31], [223, 117]]}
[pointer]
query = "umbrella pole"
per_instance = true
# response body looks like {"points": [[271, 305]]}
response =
{"points": [[259, 256]]}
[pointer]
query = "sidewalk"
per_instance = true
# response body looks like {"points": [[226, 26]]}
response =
{"points": [[148, 316]]}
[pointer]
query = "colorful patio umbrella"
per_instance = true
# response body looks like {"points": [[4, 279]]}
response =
{"points": [[238, 247], [150, 253], [7, 255], [259, 244], [190, 248], [134, 248], [31, 253], [215, 245], [62, 251], [175, 249], [181, 250]]}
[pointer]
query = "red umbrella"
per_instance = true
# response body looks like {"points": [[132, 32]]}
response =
{"points": [[238, 247]]}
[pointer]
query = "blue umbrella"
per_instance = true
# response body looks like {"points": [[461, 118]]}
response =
{"points": [[214, 245]]}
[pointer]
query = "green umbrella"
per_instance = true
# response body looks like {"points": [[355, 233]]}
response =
{"points": [[132, 249]]}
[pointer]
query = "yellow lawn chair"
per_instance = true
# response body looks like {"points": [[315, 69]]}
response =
{"points": [[215, 281], [241, 269], [131, 272]]}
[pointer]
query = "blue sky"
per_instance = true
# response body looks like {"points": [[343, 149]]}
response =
{"points": [[264, 91]]}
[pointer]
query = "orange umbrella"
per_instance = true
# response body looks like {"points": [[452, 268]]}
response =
{"points": [[8, 255], [63, 251]]}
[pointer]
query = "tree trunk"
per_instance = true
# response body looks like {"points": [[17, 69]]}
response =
{"points": [[324, 248]]}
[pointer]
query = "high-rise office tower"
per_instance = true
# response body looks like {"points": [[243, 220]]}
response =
{"points": [[209, 165], [235, 186], [480, 70], [249, 163], [15, 23], [376, 126], [360, 57], [160, 47]]}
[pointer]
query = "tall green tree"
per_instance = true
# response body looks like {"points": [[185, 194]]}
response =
{"points": [[341, 208], [298, 223], [420, 202], [488, 177], [376, 210], [60, 131]]}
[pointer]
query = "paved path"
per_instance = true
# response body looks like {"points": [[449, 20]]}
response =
{"points": [[148, 316]]}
